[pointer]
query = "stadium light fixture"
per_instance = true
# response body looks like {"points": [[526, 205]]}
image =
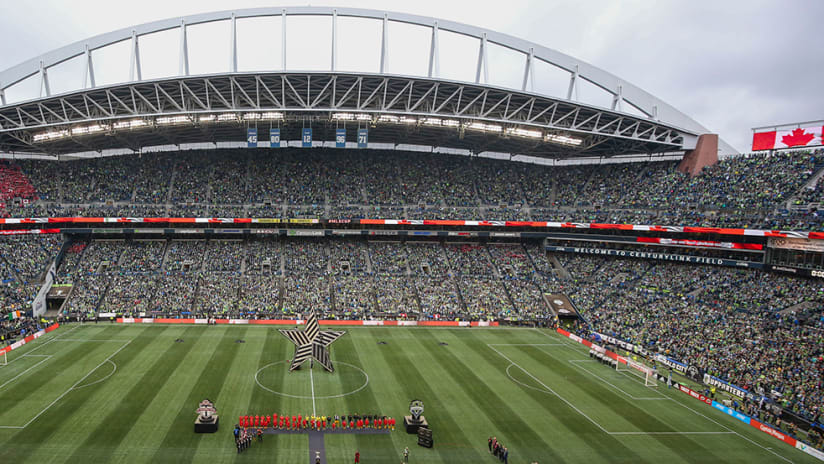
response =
{"points": [[207, 118], [225, 117], [389, 118], [85, 130], [343, 116], [479, 126], [133, 124], [518, 132], [432, 121], [564, 140], [51, 135], [172, 120]]}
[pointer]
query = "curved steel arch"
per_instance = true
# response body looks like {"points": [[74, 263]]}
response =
{"points": [[621, 90], [455, 114]]}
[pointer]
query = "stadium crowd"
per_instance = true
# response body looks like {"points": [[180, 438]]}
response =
{"points": [[752, 191], [759, 331], [763, 332]]}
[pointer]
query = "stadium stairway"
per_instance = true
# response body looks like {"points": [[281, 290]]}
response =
{"points": [[811, 183], [558, 268]]}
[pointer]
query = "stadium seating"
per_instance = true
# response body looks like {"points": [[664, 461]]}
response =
{"points": [[749, 191]]}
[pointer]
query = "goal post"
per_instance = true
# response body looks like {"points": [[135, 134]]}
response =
{"points": [[640, 370], [3, 359]]}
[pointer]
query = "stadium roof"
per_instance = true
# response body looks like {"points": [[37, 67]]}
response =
{"points": [[133, 113]]}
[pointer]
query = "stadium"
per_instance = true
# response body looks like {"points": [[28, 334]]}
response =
{"points": [[289, 258]]}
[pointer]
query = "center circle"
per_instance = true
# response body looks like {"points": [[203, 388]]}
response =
{"points": [[302, 379]]}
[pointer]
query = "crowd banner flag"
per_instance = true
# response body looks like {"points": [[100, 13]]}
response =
{"points": [[340, 138], [306, 140], [251, 137], [363, 137], [274, 138], [809, 136]]}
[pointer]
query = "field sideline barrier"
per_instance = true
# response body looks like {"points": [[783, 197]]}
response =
{"points": [[29, 338], [144, 320], [766, 428], [424, 222]]}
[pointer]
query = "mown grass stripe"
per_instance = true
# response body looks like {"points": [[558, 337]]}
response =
{"points": [[496, 410], [70, 410], [113, 429], [405, 372], [363, 402], [179, 442], [233, 398], [275, 348], [583, 431], [683, 446]]}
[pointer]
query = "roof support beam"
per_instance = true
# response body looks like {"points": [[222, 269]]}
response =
{"points": [[134, 61], [88, 69], [529, 72], [233, 45], [434, 53], [334, 65], [183, 65], [572, 91], [283, 39], [44, 80], [483, 64], [385, 44]]}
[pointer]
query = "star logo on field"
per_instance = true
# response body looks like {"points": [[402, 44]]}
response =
{"points": [[312, 343]]}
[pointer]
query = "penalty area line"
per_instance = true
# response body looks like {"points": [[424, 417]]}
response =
{"points": [[677, 401], [73, 387], [549, 390], [46, 356], [575, 362]]}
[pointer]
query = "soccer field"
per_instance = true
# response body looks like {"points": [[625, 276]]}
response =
{"points": [[128, 393]]}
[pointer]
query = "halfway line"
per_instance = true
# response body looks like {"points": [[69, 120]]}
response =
{"points": [[312, 382]]}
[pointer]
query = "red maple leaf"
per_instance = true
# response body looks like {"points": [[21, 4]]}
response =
{"points": [[797, 138]]}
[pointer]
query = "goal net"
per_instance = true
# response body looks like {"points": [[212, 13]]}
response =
{"points": [[639, 370], [3, 360]]}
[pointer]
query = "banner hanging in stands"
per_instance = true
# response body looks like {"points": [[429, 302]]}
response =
{"points": [[251, 137], [274, 138], [363, 137], [340, 138], [809, 136], [306, 140]]}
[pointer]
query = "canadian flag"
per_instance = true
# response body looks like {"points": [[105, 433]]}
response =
{"points": [[800, 137]]}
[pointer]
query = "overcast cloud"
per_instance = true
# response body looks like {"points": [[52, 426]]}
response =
{"points": [[731, 65]]}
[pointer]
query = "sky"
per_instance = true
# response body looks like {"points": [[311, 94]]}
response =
{"points": [[731, 65]]}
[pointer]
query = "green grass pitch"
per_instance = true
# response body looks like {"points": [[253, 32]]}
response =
{"points": [[120, 393]]}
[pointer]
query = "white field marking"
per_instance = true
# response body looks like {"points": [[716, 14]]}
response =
{"points": [[576, 363], [526, 344], [671, 433], [731, 430], [706, 417], [88, 340], [29, 353], [26, 356], [312, 383], [341, 395], [100, 380], [549, 390], [67, 391], [30, 368], [607, 432]]}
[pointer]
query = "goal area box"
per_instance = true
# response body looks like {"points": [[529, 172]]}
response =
{"points": [[642, 371]]}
